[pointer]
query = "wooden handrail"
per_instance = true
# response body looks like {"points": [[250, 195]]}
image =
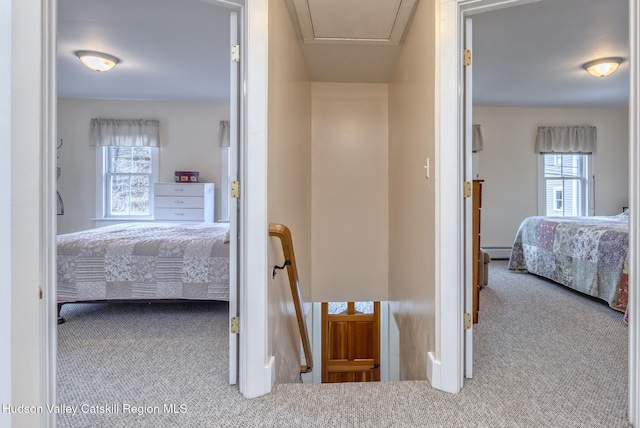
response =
{"points": [[281, 231]]}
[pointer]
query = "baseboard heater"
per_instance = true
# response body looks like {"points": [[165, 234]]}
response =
{"points": [[498, 253]]}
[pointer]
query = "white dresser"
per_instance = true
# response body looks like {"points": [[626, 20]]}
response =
{"points": [[186, 202]]}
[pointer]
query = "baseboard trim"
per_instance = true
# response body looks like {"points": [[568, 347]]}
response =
{"points": [[498, 253], [270, 373], [433, 370]]}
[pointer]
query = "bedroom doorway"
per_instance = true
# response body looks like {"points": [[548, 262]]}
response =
{"points": [[235, 135], [465, 9]]}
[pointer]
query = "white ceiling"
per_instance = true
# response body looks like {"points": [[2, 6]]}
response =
{"points": [[530, 55], [169, 49]]}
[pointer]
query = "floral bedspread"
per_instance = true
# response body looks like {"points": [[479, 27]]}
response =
{"points": [[144, 261], [588, 254]]}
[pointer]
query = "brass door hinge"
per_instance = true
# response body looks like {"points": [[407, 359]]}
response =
{"points": [[235, 325], [41, 294], [467, 321], [235, 53], [467, 57], [467, 189], [235, 189]]}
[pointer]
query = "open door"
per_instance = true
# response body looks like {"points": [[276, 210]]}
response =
{"points": [[350, 345], [234, 202], [469, 292]]}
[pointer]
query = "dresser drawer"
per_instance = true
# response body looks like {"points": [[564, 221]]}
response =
{"points": [[179, 202], [183, 202], [178, 214], [187, 189]]}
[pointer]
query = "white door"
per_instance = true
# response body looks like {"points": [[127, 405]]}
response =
{"points": [[468, 245], [234, 206]]}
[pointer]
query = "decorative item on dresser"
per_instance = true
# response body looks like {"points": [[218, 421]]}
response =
{"points": [[184, 202]]}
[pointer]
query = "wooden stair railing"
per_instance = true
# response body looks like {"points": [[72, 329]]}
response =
{"points": [[281, 231]]}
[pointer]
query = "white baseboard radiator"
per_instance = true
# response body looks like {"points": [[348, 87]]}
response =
{"points": [[498, 253]]}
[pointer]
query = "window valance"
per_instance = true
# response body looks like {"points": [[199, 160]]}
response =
{"points": [[125, 132], [566, 139], [476, 140]]}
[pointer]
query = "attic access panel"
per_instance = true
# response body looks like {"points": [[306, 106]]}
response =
{"points": [[353, 21]]}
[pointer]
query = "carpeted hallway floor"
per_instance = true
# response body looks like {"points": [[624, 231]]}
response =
{"points": [[544, 357]]}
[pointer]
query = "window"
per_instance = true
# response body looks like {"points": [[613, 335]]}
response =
{"points": [[127, 177], [565, 184]]}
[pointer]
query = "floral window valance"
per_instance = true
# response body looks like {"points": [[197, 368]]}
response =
{"points": [[566, 139], [125, 132]]}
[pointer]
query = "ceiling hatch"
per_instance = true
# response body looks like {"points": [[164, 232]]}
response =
{"points": [[353, 21]]}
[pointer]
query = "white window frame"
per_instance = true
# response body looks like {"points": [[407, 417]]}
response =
{"points": [[557, 189], [102, 193], [590, 184]]}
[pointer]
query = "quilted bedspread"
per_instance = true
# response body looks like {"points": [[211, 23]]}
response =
{"points": [[144, 261], [588, 254]]}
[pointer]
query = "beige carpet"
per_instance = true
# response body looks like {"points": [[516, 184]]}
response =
{"points": [[544, 357]]}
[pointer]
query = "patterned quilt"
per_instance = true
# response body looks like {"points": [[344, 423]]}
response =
{"points": [[588, 254], [145, 261]]}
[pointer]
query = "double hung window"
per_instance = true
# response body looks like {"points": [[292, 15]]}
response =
{"points": [[126, 167], [129, 174], [565, 170], [565, 184]]}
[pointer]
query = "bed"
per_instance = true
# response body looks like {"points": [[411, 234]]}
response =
{"points": [[587, 254], [144, 261]]}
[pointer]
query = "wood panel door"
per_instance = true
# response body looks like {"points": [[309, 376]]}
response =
{"points": [[350, 345]]}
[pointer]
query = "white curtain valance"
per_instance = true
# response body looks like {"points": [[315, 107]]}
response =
{"points": [[223, 134], [125, 132], [476, 140], [566, 139]]}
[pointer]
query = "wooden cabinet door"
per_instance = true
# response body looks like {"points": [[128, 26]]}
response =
{"points": [[350, 345]]}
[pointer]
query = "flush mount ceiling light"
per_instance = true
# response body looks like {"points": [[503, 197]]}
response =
{"points": [[97, 61], [603, 66]]}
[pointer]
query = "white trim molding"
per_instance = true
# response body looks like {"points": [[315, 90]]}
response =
{"points": [[634, 204], [48, 214], [445, 368], [253, 216], [5, 209]]}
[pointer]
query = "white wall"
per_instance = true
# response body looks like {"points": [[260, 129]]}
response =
{"points": [[412, 197], [189, 141], [350, 239], [508, 163], [289, 184]]}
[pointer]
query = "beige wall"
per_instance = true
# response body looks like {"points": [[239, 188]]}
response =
{"points": [[289, 184], [189, 141], [509, 165], [349, 192], [412, 196]]}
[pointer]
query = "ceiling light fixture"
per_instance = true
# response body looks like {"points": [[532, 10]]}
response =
{"points": [[603, 66], [97, 61]]}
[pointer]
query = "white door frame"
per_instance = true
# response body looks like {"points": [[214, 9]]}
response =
{"points": [[449, 120], [255, 370]]}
